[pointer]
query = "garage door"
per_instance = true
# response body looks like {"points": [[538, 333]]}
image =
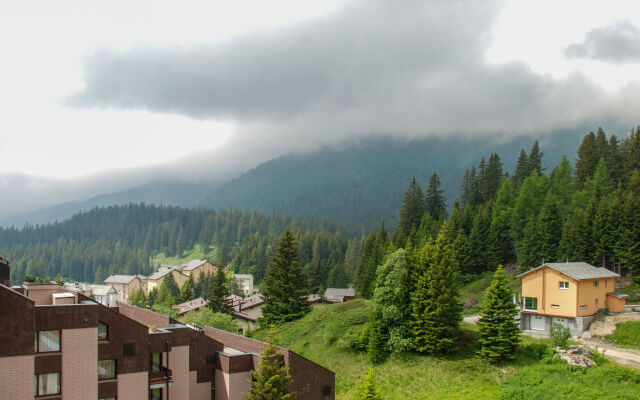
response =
{"points": [[537, 322]]}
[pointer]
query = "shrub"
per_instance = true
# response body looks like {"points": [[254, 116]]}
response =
{"points": [[559, 335], [536, 351]]}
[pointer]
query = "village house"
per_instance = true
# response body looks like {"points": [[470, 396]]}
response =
{"points": [[125, 284], [155, 280], [340, 295], [569, 293], [105, 295], [194, 268], [245, 281]]}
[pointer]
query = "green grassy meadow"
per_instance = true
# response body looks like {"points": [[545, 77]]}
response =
{"points": [[627, 334], [329, 335]]}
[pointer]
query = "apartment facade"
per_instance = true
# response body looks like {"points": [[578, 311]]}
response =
{"points": [[61, 344], [195, 268]]}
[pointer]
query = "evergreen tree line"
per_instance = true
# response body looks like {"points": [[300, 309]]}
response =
{"points": [[590, 212], [123, 239]]}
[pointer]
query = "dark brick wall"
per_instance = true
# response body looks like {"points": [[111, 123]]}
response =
{"points": [[68, 316], [17, 317], [48, 363], [123, 331], [145, 317]]}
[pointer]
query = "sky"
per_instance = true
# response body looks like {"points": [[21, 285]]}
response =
{"points": [[101, 96]]}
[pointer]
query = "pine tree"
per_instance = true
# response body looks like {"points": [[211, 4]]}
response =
{"points": [[520, 173], [369, 389], [219, 293], [272, 380], [413, 207], [479, 239], [529, 249], [492, 178], [186, 292], [435, 202], [376, 348], [285, 286], [629, 245], [435, 311], [169, 292], [550, 230], [534, 159], [498, 328], [587, 159], [500, 245]]}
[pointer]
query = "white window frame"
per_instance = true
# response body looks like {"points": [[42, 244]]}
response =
{"points": [[564, 285], [555, 306], [530, 309], [595, 284]]}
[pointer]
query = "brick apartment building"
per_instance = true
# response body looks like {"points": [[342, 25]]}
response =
{"points": [[60, 344]]}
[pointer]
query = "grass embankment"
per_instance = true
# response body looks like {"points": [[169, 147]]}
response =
{"points": [[627, 334], [328, 335]]}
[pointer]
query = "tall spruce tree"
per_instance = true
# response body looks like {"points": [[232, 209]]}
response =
{"points": [[186, 292], [629, 246], [219, 293], [492, 178], [272, 380], [498, 328], [435, 202], [285, 286], [435, 310], [550, 230], [587, 159], [520, 173], [534, 159], [413, 207]]}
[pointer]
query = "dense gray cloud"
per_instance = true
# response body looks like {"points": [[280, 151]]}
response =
{"points": [[407, 68], [617, 43]]}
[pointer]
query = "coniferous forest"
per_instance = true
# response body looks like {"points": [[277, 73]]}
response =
{"points": [[583, 209]]}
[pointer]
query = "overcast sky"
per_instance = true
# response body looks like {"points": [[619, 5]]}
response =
{"points": [[200, 89]]}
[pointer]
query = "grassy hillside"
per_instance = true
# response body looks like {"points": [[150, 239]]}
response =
{"points": [[327, 336], [627, 334], [475, 289]]}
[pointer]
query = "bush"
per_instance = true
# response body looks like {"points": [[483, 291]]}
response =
{"points": [[559, 335], [536, 351]]}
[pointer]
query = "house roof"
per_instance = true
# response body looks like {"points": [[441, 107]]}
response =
{"points": [[193, 264], [102, 290], [335, 292], [191, 305], [120, 278], [161, 272], [577, 270], [618, 295]]}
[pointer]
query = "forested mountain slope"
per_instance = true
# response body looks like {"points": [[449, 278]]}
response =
{"points": [[362, 182]]}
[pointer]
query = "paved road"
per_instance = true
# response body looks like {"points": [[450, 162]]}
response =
{"points": [[628, 357]]}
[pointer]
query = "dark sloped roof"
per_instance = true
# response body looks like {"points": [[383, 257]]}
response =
{"points": [[577, 270], [120, 278]]}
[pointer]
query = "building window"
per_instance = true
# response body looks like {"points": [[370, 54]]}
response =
{"points": [[156, 362], [106, 369], [595, 284], [107, 398], [47, 384], [47, 341], [605, 283], [596, 302], [564, 285], [103, 331], [583, 306], [531, 303], [555, 306], [155, 394]]}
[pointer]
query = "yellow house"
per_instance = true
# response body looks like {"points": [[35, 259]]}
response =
{"points": [[195, 267], [155, 280], [568, 293]]}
